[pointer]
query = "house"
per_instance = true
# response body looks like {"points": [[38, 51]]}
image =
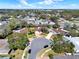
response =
{"points": [[66, 57], [29, 20], [61, 22], [51, 23], [38, 32], [77, 18], [23, 30], [75, 41], [3, 23], [4, 47], [59, 31], [64, 23], [44, 22], [54, 32], [36, 21]]}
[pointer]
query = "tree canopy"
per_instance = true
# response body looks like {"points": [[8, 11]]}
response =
{"points": [[17, 41], [61, 46]]}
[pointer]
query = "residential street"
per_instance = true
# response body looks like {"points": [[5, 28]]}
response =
{"points": [[36, 45]]}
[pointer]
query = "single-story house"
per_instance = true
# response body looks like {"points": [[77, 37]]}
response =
{"points": [[3, 23], [23, 30], [59, 31], [36, 21], [4, 47]]}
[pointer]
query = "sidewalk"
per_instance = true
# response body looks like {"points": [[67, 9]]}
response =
{"points": [[44, 57]]}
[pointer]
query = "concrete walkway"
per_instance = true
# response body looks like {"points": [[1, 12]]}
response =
{"points": [[24, 52]]}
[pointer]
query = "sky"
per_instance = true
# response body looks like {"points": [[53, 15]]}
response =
{"points": [[39, 4]]}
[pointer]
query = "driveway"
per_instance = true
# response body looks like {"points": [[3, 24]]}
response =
{"points": [[36, 45]]}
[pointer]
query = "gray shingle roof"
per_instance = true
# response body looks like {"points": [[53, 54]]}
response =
{"points": [[4, 49]]}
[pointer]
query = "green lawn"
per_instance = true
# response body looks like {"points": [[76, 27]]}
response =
{"points": [[30, 35]]}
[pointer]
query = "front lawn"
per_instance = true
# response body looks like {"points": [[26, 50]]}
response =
{"points": [[17, 54]]}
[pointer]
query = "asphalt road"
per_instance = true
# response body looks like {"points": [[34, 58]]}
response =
{"points": [[36, 45]]}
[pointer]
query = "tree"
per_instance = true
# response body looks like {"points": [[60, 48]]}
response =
{"points": [[44, 30], [61, 46], [74, 26], [23, 23], [56, 26], [54, 19], [17, 41], [50, 56], [5, 31], [42, 16], [67, 26], [74, 33], [30, 25], [12, 23]]}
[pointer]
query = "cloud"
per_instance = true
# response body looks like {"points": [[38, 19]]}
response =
{"points": [[67, 6], [44, 2], [23, 2], [73, 5], [48, 2]]}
